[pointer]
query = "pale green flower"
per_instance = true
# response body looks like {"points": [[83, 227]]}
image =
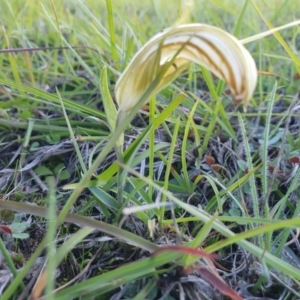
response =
{"points": [[208, 46]]}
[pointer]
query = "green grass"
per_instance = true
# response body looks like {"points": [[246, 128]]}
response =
{"points": [[59, 132]]}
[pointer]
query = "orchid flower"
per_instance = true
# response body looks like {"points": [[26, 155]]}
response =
{"points": [[171, 51]]}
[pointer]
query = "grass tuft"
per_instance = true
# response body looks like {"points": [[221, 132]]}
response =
{"points": [[187, 197]]}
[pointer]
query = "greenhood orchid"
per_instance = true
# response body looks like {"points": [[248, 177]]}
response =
{"points": [[176, 48]]}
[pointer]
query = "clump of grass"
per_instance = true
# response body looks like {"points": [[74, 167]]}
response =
{"points": [[197, 177]]}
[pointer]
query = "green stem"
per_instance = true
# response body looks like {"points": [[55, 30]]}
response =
{"points": [[120, 177], [8, 259], [120, 156]]}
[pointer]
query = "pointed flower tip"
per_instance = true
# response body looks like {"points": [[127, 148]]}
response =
{"points": [[215, 49]]}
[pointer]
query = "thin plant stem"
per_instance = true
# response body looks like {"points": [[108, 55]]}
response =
{"points": [[120, 156]]}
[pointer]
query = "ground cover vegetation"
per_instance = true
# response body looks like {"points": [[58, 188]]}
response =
{"points": [[184, 196]]}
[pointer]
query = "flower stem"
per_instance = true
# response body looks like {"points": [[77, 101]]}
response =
{"points": [[121, 175]]}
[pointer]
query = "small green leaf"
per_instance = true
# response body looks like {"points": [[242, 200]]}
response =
{"points": [[234, 212], [274, 184], [34, 146], [61, 171], [64, 174], [58, 168], [19, 227], [53, 139], [43, 171], [242, 164], [26, 114], [22, 235]]}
